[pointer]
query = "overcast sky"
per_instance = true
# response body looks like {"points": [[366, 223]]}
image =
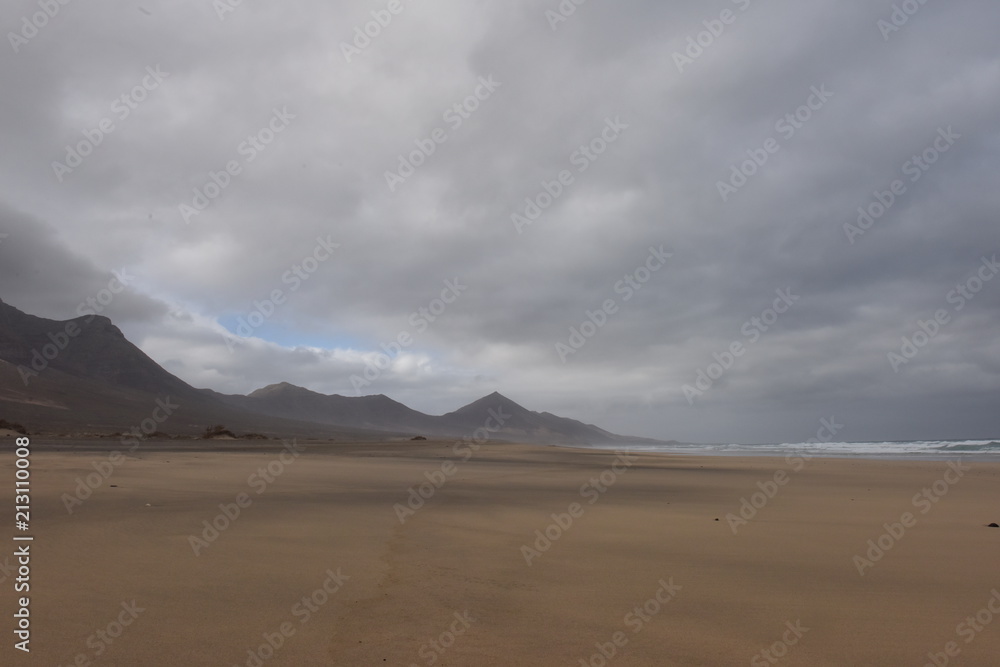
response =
{"points": [[640, 135]]}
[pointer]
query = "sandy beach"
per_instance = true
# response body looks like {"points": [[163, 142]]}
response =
{"points": [[333, 554]]}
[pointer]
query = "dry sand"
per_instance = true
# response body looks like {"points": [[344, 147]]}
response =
{"points": [[331, 509]]}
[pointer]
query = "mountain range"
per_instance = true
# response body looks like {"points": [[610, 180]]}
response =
{"points": [[83, 376]]}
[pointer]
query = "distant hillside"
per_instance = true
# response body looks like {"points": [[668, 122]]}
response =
{"points": [[383, 413], [83, 375], [526, 425], [84, 347], [367, 412]]}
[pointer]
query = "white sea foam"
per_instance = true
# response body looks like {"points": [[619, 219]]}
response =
{"points": [[902, 449]]}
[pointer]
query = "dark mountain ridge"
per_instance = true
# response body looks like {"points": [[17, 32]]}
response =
{"points": [[84, 375]]}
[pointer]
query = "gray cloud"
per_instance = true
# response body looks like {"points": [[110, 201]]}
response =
{"points": [[324, 177]]}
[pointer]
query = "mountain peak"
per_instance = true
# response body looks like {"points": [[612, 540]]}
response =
{"points": [[484, 404], [88, 346], [279, 387], [82, 320]]}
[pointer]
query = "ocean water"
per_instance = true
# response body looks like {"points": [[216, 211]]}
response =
{"points": [[916, 449]]}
